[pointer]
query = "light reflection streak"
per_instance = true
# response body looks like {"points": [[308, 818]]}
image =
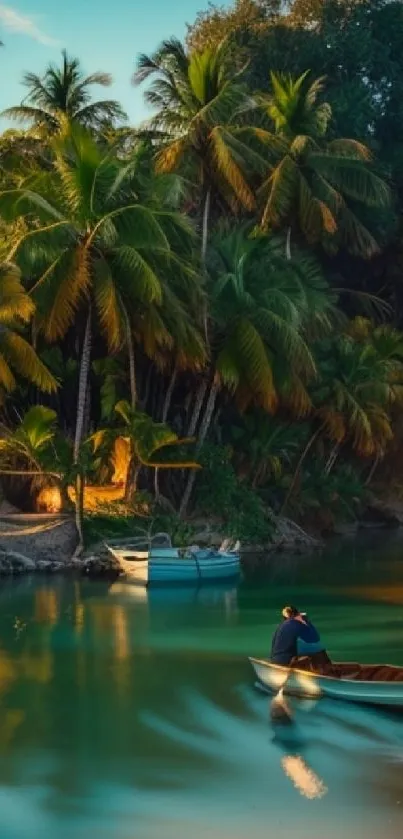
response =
{"points": [[304, 779]]}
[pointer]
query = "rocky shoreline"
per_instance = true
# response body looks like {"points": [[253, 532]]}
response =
{"points": [[46, 544]]}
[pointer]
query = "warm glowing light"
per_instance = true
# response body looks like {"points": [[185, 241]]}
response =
{"points": [[79, 617], [381, 594], [98, 496], [120, 460], [37, 669], [135, 592], [121, 634], [101, 495], [46, 607], [303, 778], [49, 500], [7, 672], [309, 685]]}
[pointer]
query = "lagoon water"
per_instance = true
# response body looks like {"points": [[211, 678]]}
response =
{"points": [[127, 715]]}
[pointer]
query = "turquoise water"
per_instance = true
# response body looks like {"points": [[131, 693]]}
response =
{"points": [[133, 716]]}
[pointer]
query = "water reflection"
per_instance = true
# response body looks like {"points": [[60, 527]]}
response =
{"points": [[129, 713], [303, 778]]}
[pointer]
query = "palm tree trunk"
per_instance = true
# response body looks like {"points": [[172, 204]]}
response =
{"points": [[197, 408], [80, 418], [168, 396], [204, 427], [164, 416], [147, 387], [205, 225], [156, 484], [132, 362], [332, 459], [82, 386], [208, 415], [132, 479], [301, 460], [288, 245], [87, 412], [79, 513], [205, 234], [372, 470]]}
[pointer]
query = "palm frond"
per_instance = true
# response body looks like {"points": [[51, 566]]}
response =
{"points": [[108, 304], [26, 113], [350, 177], [24, 360], [15, 303], [169, 158], [7, 379], [134, 269], [59, 294], [281, 188], [228, 168]]}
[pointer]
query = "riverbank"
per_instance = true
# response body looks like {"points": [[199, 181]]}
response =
{"points": [[43, 543], [47, 543]]}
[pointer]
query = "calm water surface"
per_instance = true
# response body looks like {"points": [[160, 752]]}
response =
{"points": [[129, 716]]}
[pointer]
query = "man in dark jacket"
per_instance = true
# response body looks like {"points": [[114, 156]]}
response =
{"points": [[296, 637]]}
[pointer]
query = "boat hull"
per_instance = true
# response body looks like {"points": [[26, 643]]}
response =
{"points": [[165, 565], [314, 686]]}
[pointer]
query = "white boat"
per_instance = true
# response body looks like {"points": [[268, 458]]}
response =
{"points": [[370, 684], [165, 564]]}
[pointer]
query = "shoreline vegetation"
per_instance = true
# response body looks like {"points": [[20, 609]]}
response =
{"points": [[46, 544], [201, 316]]}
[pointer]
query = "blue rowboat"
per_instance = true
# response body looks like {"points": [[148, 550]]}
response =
{"points": [[369, 684], [173, 565]]}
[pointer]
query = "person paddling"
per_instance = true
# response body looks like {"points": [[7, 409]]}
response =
{"points": [[295, 638]]}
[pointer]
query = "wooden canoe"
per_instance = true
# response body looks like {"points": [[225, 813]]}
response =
{"points": [[369, 684]]}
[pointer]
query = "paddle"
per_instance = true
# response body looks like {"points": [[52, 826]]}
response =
{"points": [[279, 710]]}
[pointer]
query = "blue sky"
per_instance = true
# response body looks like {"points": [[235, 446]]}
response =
{"points": [[105, 34]]}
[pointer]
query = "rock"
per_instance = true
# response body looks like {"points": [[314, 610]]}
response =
{"points": [[48, 540], [7, 509], [346, 528], [100, 566], [43, 565], [5, 567], [290, 536], [20, 561], [381, 514], [208, 538], [55, 567], [75, 564]]}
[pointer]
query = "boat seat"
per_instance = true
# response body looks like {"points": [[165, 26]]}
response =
{"points": [[380, 673], [353, 670]]}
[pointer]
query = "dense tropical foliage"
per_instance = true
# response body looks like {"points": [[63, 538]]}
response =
{"points": [[219, 287]]}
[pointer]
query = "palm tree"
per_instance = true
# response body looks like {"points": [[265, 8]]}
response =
{"points": [[64, 92], [33, 454], [17, 357], [316, 185], [168, 331], [356, 390], [95, 250], [264, 445], [359, 381], [265, 311], [196, 98], [28, 450]]}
